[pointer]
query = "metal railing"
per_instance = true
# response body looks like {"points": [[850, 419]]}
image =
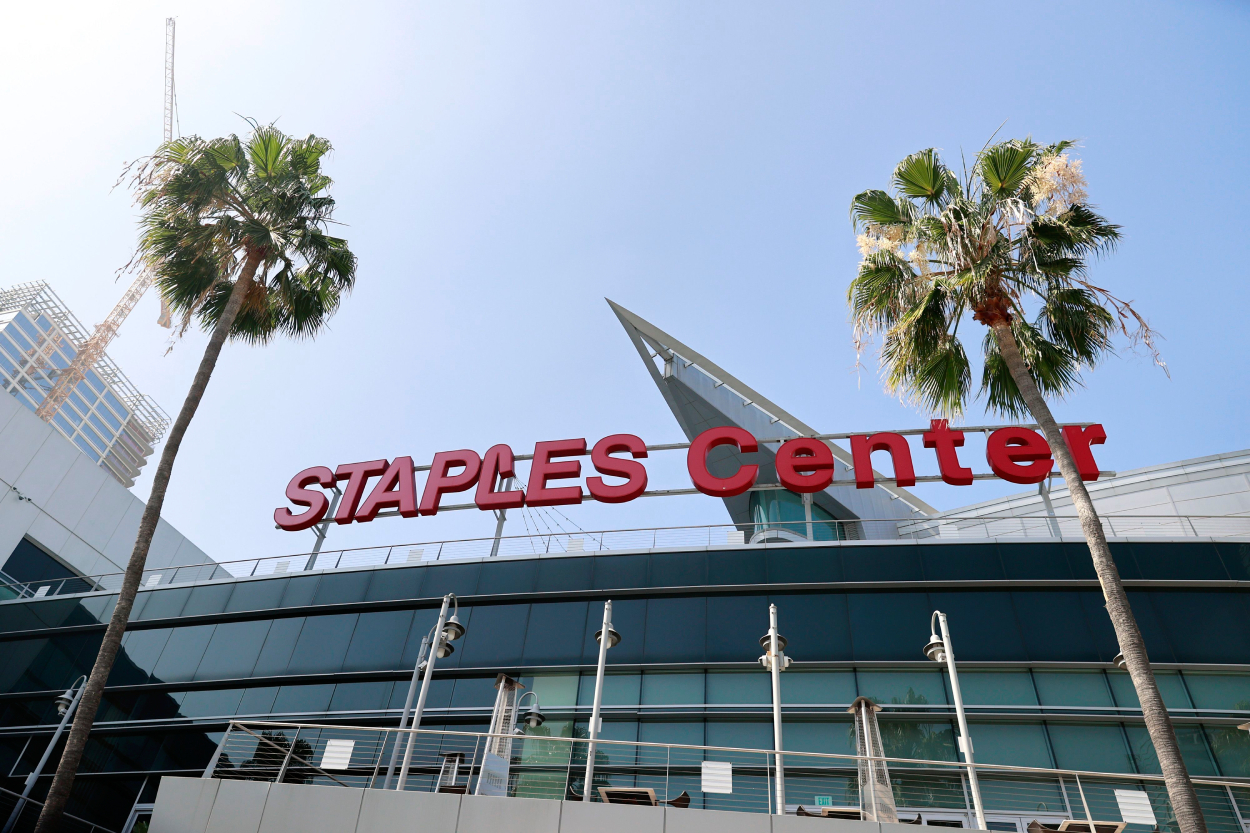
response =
{"points": [[714, 536], [543, 766], [25, 822]]}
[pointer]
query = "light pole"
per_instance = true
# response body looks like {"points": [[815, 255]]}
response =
{"points": [[607, 637], [65, 705], [940, 649], [403, 720], [775, 661], [445, 631]]}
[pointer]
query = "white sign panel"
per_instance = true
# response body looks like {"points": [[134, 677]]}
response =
{"points": [[718, 777], [1135, 807], [494, 777], [337, 754]]}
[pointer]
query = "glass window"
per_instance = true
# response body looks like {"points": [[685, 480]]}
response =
{"points": [[1089, 746], [740, 734], [1010, 744], [1198, 624], [629, 617], [678, 569], [8, 366], [101, 427], [903, 687], [1053, 626], [233, 650], [21, 340], [553, 690], [1072, 688], [342, 588], [1219, 691], [997, 688], [93, 437], [355, 697], [404, 583], [828, 738], [297, 699], [889, 626], [115, 405], [805, 565], [611, 753], [983, 626], [555, 633], [1236, 558], [256, 595], [686, 732], [1170, 687], [737, 567], [742, 687], [276, 655], [138, 657], [1192, 743], [110, 419], [86, 393], [734, 627], [563, 574], [901, 563], [211, 703], [818, 626], [182, 653], [677, 688], [512, 576], [165, 604], [496, 637], [677, 630], [1082, 565], [954, 562], [378, 641], [460, 579], [474, 693], [210, 598], [914, 739], [258, 701], [618, 689], [1196, 560], [300, 591], [1232, 749], [613, 571], [835, 688], [322, 644]]}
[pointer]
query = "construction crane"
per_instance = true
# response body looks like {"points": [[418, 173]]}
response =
{"points": [[92, 350]]}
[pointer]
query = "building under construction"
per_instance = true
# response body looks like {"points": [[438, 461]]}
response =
{"points": [[102, 413]]}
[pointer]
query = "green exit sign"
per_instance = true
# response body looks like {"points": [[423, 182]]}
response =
{"points": [[824, 801]]}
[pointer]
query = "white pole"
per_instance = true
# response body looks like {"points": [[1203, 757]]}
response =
{"points": [[425, 690], [47, 753], [587, 795], [775, 668], [965, 742], [403, 719]]}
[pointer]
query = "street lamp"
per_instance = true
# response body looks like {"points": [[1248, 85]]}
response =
{"points": [[533, 717], [607, 637], [66, 704], [940, 649], [403, 718], [775, 661], [442, 635]]}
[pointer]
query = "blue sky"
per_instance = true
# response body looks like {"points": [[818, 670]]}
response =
{"points": [[501, 168]]}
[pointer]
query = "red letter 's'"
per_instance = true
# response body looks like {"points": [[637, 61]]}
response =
{"points": [[440, 482], [1009, 449], [397, 488], [298, 493], [696, 461], [356, 475], [804, 465], [900, 456], [544, 469], [1079, 441], [605, 463], [941, 437], [497, 464]]}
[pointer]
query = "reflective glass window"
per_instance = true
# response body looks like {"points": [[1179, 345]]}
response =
{"points": [[732, 567], [555, 633], [983, 626], [1219, 691], [1089, 746], [733, 627], [402, 583], [233, 650], [1198, 623], [675, 688], [158, 705], [1053, 626], [826, 737], [138, 657], [296, 699], [997, 688], [342, 588], [901, 563], [182, 653], [629, 617], [1236, 558], [553, 690], [1158, 642], [256, 595], [1082, 565], [460, 579], [619, 755], [1231, 747], [612, 571], [423, 621], [677, 630], [378, 641], [351, 697], [438, 698], [1170, 687], [300, 591], [678, 569], [1191, 741], [916, 739], [1197, 560], [165, 604], [563, 574], [618, 689], [211, 703], [258, 701], [889, 626], [1072, 688], [209, 598], [509, 576], [903, 687], [740, 734], [685, 732], [474, 693], [818, 626], [275, 656], [803, 565], [1010, 744], [322, 644], [836, 688], [495, 637], [741, 687], [955, 562]]}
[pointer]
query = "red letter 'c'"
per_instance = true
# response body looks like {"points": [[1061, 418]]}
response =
{"points": [[298, 493], [696, 461]]}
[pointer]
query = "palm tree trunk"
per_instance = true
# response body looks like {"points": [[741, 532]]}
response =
{"points": [[58, 793], [1158, 723]]}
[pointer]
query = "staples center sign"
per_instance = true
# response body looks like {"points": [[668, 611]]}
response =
{"points": [[804, 464]]}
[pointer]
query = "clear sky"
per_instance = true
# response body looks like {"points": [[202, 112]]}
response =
{"points": [[503, 167]]}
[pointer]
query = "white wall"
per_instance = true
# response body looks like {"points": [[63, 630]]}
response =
{"points": [[76, 510]]}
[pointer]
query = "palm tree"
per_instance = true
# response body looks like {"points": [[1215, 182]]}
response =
{"points": [[234, 234], [1008, 245]]}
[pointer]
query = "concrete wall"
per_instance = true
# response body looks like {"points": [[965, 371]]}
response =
{"points": [[195, 805], [76, 510]]}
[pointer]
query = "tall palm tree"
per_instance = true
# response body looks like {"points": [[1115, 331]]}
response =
{"points": [[234, 234], [1007, 245]]}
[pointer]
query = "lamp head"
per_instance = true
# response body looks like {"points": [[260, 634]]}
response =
{"points": [[445, 648], [452, 629], [533, 717], [63, 703], [614, 638], [1118, 662], [766, 642], [936, 649]]}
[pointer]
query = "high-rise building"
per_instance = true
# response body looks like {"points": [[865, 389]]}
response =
{"points": [[105, 415]]}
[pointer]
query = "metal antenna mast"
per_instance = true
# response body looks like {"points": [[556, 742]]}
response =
{"points": [[92, 350]]}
